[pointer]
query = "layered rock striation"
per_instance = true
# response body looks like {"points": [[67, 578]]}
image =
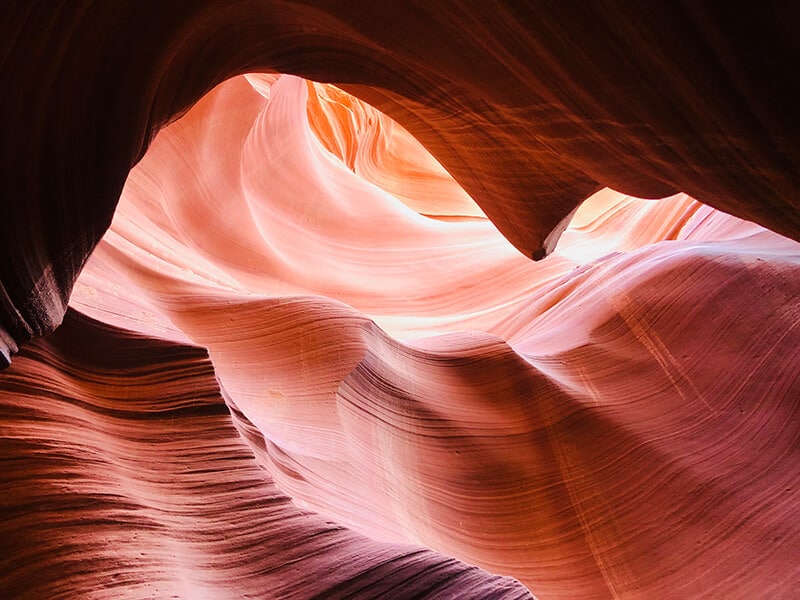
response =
{"points": [[311, 356], [531, 109]]}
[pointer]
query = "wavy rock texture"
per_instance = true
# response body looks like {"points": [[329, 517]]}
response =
{"points": [[125, 478], [530, 108], [606, 423], [311, 356]]}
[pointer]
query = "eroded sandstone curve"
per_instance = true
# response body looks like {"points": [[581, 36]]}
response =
{"points": [[562, 422], [106, 459], [530, 108]]}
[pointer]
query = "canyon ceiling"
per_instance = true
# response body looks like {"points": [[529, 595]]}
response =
{"points": [[399, 299]]}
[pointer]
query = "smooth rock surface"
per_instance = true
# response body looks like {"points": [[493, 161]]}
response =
{"points": [[562, 422], [530, 108], [327, 349]]}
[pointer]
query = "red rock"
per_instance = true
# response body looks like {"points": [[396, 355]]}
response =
{"points": [[318, 370]]}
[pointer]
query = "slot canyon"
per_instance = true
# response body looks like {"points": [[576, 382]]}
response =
{"points": [[452, 299]]}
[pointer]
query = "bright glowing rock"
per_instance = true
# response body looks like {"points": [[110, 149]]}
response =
{"points": [[321, 364]]}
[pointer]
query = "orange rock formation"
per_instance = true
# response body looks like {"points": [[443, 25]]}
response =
{"points": [[311, 357]]}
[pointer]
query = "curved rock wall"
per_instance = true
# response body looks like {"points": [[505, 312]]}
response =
{"points": [[561, 421], [125, 478], [530, 108], [313, 367]]}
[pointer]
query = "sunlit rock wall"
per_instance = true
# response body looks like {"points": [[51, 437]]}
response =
{"points": [[416, 379], [312, 363]]}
